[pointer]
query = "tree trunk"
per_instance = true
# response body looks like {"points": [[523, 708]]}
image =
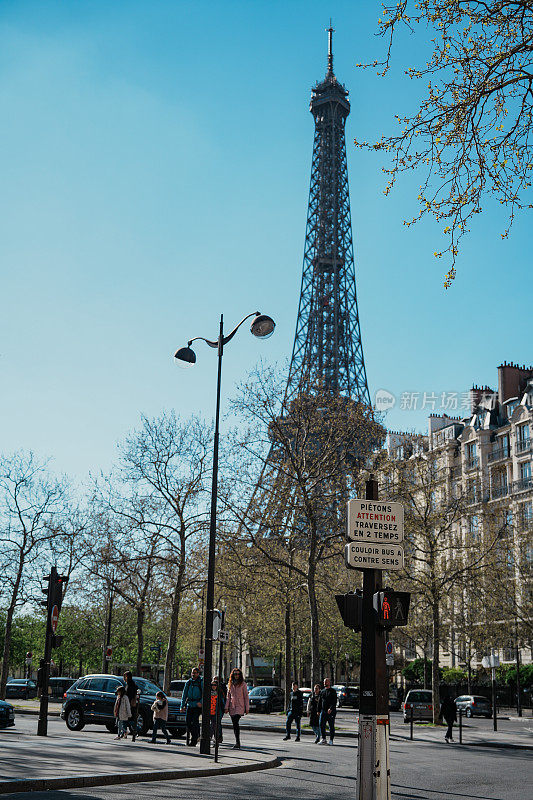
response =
{"points": [[315, 640], [252, 665], [174, 617], [435, 679], [7, 650], [140, 640], [288, 659], [9, 627]]}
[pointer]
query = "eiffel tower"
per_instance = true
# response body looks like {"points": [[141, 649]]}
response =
{"points": [[320, 438], [328, 350]]}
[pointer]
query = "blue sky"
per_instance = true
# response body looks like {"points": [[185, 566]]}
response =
{"points": [[155, 162]]}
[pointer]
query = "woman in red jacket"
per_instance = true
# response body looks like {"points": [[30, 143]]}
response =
{"points": [[237, 703]]}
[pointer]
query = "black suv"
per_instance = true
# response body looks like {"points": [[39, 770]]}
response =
{"points": [[91, 700]]}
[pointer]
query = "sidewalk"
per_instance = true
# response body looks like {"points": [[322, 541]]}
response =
{"points": [[33, 763]]}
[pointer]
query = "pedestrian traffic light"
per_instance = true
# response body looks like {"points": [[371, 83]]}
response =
{"points": [[391, 607], [351, 608], [57, 640]]}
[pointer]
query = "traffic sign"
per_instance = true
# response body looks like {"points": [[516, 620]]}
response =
{"points": [[223, 636], [388, 648], [108, 653], [359, 555], [389, 660], [374, 521], [201, 657], [54, 618]]}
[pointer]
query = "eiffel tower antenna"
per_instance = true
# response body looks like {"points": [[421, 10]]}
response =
{"points": [[331, 31]]}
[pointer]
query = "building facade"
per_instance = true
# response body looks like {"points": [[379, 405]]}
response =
{"points": [[486, 460]]}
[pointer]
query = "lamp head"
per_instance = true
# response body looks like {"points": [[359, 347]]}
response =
{"points": [[185, 357], [262, 326]]}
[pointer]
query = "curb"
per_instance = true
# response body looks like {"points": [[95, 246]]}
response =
{"points": [[35, 712], [112, 779]]}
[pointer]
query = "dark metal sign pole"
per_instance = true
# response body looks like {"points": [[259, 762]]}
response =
{"points": [[220, 698], [42, 722], [373, 769]]}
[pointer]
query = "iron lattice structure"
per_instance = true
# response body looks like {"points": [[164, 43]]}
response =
{"points": [[328, 350]]}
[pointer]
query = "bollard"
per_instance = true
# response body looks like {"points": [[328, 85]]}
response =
{"points": [[411, 722], [460, 726]]}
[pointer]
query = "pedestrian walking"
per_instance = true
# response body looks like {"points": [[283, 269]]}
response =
{"points": [[213, 711], [312, 711], [191, 701], [133, 693], [448, 712], [160, 709], [223, 690], [237, 703], [295, 709], [327, 708], [122, 712]]}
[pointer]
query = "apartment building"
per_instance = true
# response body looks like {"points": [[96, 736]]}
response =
{"points": [[487, 460]]}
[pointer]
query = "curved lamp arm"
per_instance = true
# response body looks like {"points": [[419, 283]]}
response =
{"points": [[227, 338], [207, 341], [230, 336]]}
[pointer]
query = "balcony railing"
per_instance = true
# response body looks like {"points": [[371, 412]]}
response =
{"points": [[523, 484], [499, 491], [472, 463], [523, 446], [499, 454]]}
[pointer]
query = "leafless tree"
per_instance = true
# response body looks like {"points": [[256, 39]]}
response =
{"points": [[30, 501]]}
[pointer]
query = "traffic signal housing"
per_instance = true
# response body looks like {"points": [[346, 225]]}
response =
{"points": [[58, 590], [392, 608], [351, 608], [54, 589]]}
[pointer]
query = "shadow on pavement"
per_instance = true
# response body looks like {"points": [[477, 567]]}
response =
{"points": [[432, 793]]}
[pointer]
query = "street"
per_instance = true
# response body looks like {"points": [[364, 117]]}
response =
{"points": [[420, 770]]}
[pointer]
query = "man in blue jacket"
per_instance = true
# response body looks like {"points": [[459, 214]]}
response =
{"points": [[191, 701]]}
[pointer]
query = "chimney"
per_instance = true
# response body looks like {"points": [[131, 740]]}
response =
{"points": [[512, 380]]}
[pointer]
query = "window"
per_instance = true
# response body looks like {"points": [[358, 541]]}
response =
{"points": [[471, 450], [473, 528], [522, 437], [410, 651], [96, 684], [472, 491], [509, 652], [525, 515], [525, 470], [112, 684]]}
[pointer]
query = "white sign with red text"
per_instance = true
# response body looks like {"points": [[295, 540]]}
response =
{"points": [[375, 521]]}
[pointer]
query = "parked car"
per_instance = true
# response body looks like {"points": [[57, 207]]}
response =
{"points": [[90, 700], [176, 688], [421, 703], [474, 705], [7, 715], [351, 696], [267, 699], [394, 699], [58, 686], [341, 693], [22, 688], [307, 692]]}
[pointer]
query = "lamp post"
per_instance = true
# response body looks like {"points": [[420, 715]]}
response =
{"points": [[262, 326]]}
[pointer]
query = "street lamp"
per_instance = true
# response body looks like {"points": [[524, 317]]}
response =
{"points": [[262, 326]]}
